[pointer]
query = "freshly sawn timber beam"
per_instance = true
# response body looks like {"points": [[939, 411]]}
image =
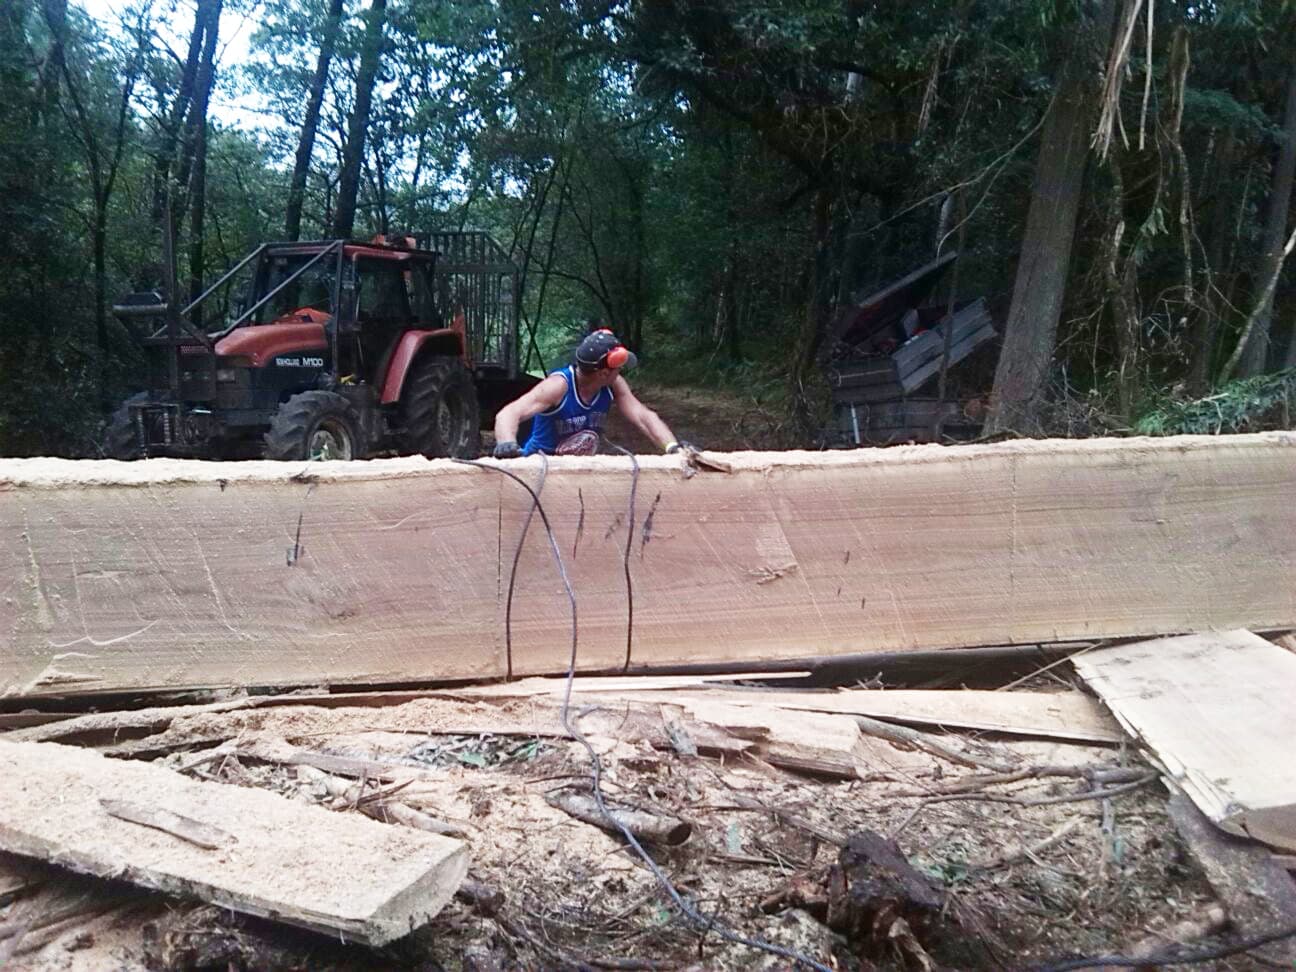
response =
{"points": [[246, 849], [168, 574]]}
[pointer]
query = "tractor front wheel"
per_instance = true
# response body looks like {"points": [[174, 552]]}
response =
{"points": [[440, 411], [315, 425], [121, 441]]}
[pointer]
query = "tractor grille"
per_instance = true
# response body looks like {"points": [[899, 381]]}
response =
{"points": [[156, 425], [170, 429]]}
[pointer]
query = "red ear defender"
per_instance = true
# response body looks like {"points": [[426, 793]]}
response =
{"points": [[618, 356]]}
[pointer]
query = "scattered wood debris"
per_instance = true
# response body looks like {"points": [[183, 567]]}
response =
{"points": [[1013, 832]]}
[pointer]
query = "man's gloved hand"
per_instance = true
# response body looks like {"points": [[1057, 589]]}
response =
{"points": [[508, 449], [680, 446]]}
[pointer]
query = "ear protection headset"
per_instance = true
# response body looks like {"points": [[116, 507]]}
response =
{"points": [[616, 356]]}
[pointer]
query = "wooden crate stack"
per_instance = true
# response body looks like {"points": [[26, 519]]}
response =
{"points": [[871, 394]]}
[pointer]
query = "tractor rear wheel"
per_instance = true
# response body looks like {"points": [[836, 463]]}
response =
{"points": [[315, 425], [121, 441], [440, 411]]}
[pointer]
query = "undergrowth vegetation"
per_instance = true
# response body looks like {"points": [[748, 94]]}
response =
{"points": [[1247, 405]]}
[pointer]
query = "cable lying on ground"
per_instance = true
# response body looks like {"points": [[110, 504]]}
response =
{"points": [[1173, 955]]}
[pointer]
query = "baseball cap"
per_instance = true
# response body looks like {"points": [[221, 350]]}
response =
{"points": [[594, 350]]}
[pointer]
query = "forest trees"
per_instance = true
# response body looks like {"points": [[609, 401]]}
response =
{"points": [[715, 180]]}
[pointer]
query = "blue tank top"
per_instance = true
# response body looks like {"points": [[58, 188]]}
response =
{"points": [[570, 416]]}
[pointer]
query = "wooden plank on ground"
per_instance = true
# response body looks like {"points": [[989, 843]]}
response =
{"points": [[1071, 716], [1049, 715], [1217, 710], [337, 873], [168, 575]]}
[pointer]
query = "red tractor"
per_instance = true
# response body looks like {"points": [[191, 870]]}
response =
{"points": [[330, 349]]}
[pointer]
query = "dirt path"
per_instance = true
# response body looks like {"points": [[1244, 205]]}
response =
{"points": [[708, 418]]}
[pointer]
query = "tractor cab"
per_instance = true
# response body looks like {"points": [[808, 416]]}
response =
{"points": [[327, 349]]}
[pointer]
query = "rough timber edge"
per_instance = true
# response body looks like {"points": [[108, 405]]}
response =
{"points": [[47, 473]]}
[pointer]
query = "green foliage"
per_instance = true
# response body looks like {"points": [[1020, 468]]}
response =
{"points": [[656, 167], [1212, 108], [1246, 405]]}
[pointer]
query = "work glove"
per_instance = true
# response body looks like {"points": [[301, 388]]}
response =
{"points": [[680, 446], [508, 449]]}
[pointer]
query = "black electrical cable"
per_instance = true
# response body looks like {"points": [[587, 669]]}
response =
{"points": [[687, 910], [517, 555], [634, 488], [1174, 956]]}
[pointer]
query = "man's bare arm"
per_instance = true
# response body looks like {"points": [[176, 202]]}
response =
{"points": [[640, 415], [543, 397]]}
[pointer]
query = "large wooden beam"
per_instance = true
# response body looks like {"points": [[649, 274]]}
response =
{"points": [[241, 848], [167, 574]]}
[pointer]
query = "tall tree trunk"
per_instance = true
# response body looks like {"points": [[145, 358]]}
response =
{"points": [[56, 22], [196, 122], [1030, 332], [816, 314], [638, 245], [166, 156], [376, 171], [197, 174], [102, 167], [1121, 278], [1205, 325], [1255, 355], [310, 123], [353, 155]]}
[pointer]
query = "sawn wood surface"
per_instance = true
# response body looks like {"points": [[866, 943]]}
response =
{"points": [[339, 873], [165, 574]]}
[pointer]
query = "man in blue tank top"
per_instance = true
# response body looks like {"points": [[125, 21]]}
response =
{"points": [[570, 406]]}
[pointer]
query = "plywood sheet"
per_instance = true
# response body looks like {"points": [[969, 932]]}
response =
{"points": [[1217, 711], [338, 873], [168, 574]]}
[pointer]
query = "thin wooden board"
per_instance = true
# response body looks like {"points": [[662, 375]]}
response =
{"points": [[931, 343], [338, 873], [1071, 716], [1217, 710], [964, 346], [169, 575], [816, 743]]}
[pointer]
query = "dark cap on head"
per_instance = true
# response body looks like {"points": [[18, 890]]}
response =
{"points": [[602, 350]]}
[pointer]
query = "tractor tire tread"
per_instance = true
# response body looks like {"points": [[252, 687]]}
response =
{"points": [[431, 379], [286, 439], [120, 441]]}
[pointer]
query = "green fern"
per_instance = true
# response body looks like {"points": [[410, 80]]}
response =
{"points": [[1245, 405]]}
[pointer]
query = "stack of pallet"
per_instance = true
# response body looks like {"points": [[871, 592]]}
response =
{"points": [[870, 392]]}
